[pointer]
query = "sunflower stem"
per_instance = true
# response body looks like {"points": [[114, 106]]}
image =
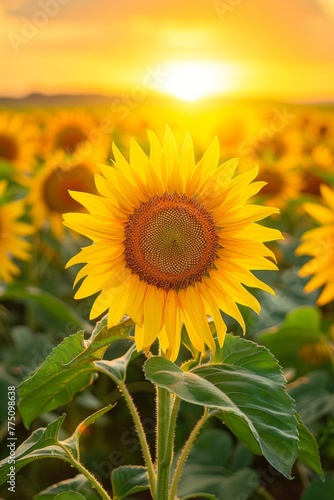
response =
{"points": [[164, 442], [141, 435], [185, 452]]}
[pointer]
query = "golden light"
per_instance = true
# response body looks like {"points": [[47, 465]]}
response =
{"points": [[191, 80]]}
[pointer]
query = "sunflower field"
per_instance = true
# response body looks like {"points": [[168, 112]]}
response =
{"points": [[177, 247]]}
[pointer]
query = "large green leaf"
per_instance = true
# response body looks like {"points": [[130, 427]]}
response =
{"points": [[248, 387], [58, 310], [42, 443], [78, 484], [208, 469], [67, 370], [52, 385], [128, 480], [308, 449]]}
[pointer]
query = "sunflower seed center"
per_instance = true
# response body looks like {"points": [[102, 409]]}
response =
{"points": [[170, 241]]}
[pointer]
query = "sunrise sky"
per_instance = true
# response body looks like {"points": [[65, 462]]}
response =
{"points": [[249, 48]]}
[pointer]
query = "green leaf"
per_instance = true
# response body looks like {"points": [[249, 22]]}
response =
{"points": [[69, 495], [52, 385], [127, 480], [116, 368], [77, 484], [68, 370], [319, 491], [42, 443], [72, 443], [208, 469], [308, 449], [101, 338], [249, 388], [58, 310]]}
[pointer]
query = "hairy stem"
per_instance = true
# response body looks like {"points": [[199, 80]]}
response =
{"points": [[88, 475], [185, 452], [164, 448], [141, 435]]}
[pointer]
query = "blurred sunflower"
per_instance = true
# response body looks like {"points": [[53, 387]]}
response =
{"points": [[316, 127], [49, 197], [271, 146], [283, 183], [319, 244], [68, 130], [173, 242], [317, 167], [317, 353], [12, 233], [18, 144]]}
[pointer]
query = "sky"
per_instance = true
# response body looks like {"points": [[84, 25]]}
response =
{"points": [[249, 48]]}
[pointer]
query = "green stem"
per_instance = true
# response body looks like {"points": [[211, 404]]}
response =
{"points": [[164, 448], [264, 493], [91, 478], [141, 435], [171, 432], [185, 452]]}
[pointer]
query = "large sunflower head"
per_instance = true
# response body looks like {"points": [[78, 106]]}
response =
{"points": [[13, 244], [318, 243], [173, 243], [49, 193]]}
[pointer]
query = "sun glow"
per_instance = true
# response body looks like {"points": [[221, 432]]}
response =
{"points": [[191, 80]]}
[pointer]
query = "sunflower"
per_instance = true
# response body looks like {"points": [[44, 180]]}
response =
{"points": [[49, 196], [317, 353], [18, 144], [173, 242], [12, 233], [68, 130], [283, 183], [319, 244]]}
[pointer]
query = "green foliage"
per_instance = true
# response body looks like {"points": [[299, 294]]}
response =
{"points": [[128, 480], [67, 370], [319, 491], [59, 312], [314, 396], [77, 484], [248, 389], [53, 385], [208, 469], [301, 327], [42, 443], [45, 443], [69, 495], [116, 368]]}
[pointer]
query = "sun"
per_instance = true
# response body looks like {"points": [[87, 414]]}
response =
{"points": [[192, 80]]}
